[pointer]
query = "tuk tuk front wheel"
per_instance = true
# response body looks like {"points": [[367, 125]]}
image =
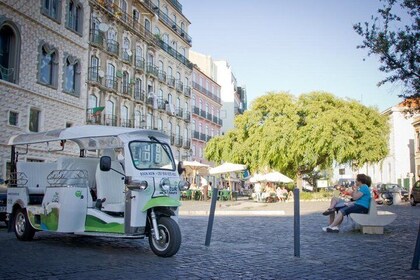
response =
{"points": [[23, 229], [170, 238]]}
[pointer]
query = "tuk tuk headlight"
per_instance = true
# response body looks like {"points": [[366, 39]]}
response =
{"points": [[183, 185], [165, 184]]}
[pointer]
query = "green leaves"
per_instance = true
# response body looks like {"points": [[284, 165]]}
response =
{"points": [[298, 135]]}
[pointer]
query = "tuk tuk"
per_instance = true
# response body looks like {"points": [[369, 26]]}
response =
{"points": [[97, 181]]}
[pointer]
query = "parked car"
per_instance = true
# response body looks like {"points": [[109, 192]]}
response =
{"points": [[3, 204], [393, 188], [415, 194]]}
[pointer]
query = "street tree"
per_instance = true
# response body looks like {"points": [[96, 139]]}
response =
{"points": [[297, 136], [396, 40]]}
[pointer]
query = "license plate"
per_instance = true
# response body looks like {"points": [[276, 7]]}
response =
{"points": [[3, 208]]}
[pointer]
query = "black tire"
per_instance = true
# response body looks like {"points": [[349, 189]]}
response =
{"points": [[23, 229], [170, 240], [412, 201]]}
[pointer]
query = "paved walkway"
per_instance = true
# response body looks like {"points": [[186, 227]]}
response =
{"points": [[242, 247]]}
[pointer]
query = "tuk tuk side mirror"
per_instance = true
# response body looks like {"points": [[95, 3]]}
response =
{"points": [[105, 163], [181, 168]]}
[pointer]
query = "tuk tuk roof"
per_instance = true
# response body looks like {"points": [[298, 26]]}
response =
{"points": [[86, 136]]}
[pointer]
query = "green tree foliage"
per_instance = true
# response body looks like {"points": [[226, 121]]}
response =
{"points": [[396, 44], [299, 135]]}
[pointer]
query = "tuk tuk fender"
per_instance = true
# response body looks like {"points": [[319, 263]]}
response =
{"points": [[161, 201]]}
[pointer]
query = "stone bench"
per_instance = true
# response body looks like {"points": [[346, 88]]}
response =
{"points": [[374, 221]]}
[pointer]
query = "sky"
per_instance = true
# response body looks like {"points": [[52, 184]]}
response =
{"points": [[297, 46]]}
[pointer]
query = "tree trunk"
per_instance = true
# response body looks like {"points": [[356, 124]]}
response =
{"points": [[299, 180]]}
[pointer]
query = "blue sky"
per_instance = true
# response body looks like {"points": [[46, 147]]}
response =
{"points": [[292, 45]]}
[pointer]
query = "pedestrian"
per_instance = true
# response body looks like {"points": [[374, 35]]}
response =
{"points": [[361, 199]]}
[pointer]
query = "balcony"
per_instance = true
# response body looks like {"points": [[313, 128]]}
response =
{"points": [[113, 47], [178, 141], [152, 70], [170, 81], [196, 110], [110, 120], [179, 86], [93, 75], [111, 82], [176, 5], [139, 94], [162, 76], [137, 27], [96, 38], [161, 104], [203, 113], [196, 135], [126, 57], [127, 89], [127, 123], [94, 116], [203, 137], [209, 116], [187, 116], [187, 91], [187, 144], [179, 112], [139, 64], [175, 27]]}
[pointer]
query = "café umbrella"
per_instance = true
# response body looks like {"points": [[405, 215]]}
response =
{"points": [[194, 168], [277, 177]]}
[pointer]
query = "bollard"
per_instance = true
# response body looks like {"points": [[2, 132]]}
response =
{"points": [[296, 223], [416, 257], [215, 194]]}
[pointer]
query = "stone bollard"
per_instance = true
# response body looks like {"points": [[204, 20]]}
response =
{"points": [[396, 198]]}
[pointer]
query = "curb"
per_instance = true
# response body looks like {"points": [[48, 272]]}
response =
{"points": [[233, 213]]}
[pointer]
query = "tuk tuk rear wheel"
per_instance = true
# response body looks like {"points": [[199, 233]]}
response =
{"points": [[170, 238], [23, 229]]}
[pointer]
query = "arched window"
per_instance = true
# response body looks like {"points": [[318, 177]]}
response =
{"points": [[74, 16], [170, 71], [165, 38], [125, 82], [193, 100], [194, 128], [157, 31], [160, 124], [160, 65], [110, 113], [124, 116], [147, 25], [170, 128], [165, 10], [200, 104], [93, 101], [137, 118], [110, 76], [127, 49], [52, 9], [138, 89], [136, 15], [10, 52], [48, 66], [123, 6], [72, 75], [94, 69], [182, 27]]}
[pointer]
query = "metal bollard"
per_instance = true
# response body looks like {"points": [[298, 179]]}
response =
{"points": [[296, 223], [416, 256], [215, 194]]}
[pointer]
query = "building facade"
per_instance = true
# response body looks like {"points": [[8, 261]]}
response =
{"points": [[206, 105], [233, 97], [43, 66], [139, 74]]}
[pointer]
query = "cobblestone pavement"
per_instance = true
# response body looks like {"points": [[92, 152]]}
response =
{"points": [[242, 247]]}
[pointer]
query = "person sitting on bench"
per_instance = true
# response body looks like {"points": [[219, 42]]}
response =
{"points": [[361, 199]]}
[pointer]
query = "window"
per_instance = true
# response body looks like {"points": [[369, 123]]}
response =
{"points": [[72, 76], [126, 82], [48, 66], [13, 118], [51, 9], [34, 120], [93, 101], [165, 38], [74, 16], [123, 6], [94, 69], [147, 25], [124, 116], [157, 31], [110, 76], [9, 51], [137, 119]]}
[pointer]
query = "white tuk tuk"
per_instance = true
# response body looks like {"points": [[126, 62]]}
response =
{"points": [[123, 183]]}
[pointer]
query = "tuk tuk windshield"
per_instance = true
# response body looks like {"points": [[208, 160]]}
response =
{"points": [[151, 155]]}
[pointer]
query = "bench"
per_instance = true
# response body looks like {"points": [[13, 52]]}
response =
{"points": [[374, 221]]}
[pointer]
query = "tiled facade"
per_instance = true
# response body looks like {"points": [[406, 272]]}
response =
{"points": [[206, 121], [139, 75], [27, 103]]}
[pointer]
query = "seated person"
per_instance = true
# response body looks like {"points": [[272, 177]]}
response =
{"points": [[361, 199], [338, 201]]}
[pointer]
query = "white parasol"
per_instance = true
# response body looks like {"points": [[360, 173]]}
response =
{"points": [[277, 177]]}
